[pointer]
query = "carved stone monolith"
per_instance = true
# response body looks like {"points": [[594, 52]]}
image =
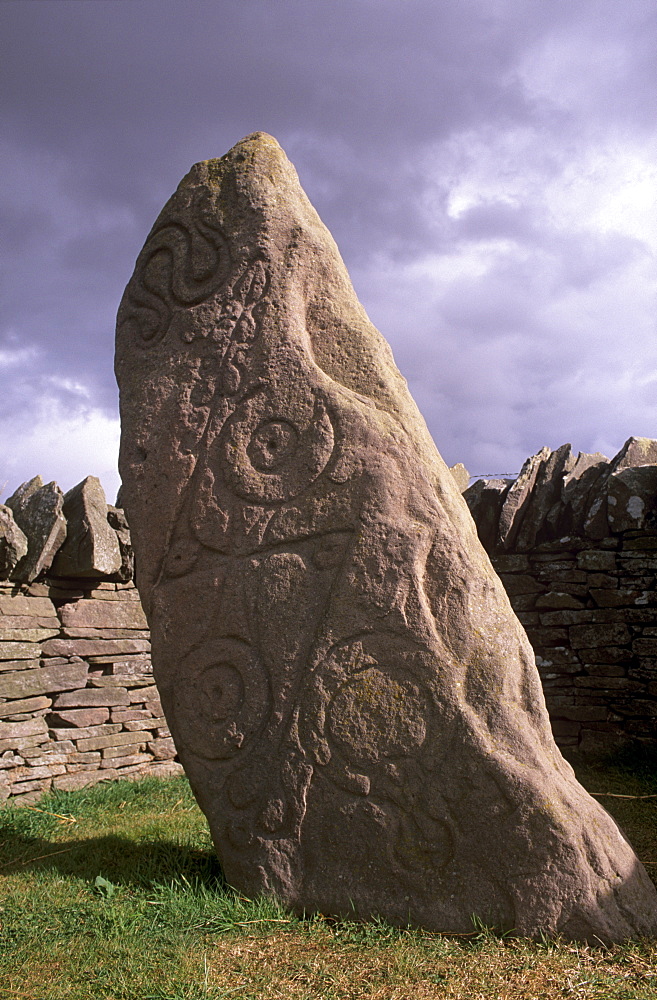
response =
{"points": [[355, 703]]}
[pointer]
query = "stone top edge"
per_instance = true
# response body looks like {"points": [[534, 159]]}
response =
{"points": [[253, 143]]}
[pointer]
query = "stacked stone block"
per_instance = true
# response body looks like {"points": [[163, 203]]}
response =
{"points": [[78, 703], [77, 699], [590, 614]]}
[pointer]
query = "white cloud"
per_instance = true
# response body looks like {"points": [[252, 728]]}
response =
{"points": [[519, 292], [534, 322], [59, 445], [67, 385], [567, 69], [11, 357]]}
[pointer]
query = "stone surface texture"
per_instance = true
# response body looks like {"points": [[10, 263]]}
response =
{"points": [[484, 499], [576, 486], [461, 476], [545, 492], [38, 512], [558, 495], [13, 543], [518, 497], [354, 701], [117, 520], [91, 547]]}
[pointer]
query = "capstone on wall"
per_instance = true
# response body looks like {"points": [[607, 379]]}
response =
{"points": [[574, 539]]}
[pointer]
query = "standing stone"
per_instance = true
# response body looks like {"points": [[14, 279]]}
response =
{"points": [[13, 543], [352, 697], [119, 523], [461, 476], [484, 499], [38, 511], [91, 547], [518, 497]]}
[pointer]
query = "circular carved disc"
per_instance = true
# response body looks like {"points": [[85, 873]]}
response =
{"points": [[272, 449], [375, 716], [221, 700]]}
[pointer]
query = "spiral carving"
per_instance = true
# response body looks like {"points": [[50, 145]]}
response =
{"points": [[181, 265]]}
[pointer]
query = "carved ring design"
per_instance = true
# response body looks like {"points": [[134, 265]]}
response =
{"points": [[368, 701], [270, 451], [222, 699], [181, 265]]}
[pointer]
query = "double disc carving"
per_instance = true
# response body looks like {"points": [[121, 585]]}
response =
{"points": [[374, 716], [368, 701]]}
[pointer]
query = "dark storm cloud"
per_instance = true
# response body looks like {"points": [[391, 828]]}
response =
{"points": [[485, 167]]}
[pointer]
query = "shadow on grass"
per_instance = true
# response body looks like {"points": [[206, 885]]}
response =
{"points": [[636, 759], [120, 860]]}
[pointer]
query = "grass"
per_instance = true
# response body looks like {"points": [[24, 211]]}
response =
{"points": [[113, 893]]}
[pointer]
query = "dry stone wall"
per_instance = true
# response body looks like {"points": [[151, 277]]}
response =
{"points": [[78, 703], [574, 540]]}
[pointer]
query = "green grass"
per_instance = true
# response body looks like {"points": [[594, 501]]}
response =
{"points": [[113, 893]]}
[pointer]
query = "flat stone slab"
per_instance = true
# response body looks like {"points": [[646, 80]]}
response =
{"points": [[41, 607], [29, 622], [79, 717], [92, 697], [38, 512], [104, 614], [14, 650], [23, 706], [461, 476], [91, 547], [9, 666], [356, 706], [43, 680], [17, 730], [26, 635], [94, 647], [484, 499], [632, 498], [518, 498], [13, 543], [117, 520]]}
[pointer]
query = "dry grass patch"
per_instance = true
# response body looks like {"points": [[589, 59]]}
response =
{"points": [[114, 894], [302, 966]]}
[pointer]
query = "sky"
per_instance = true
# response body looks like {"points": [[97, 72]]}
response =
{"points": [[488, 169]]}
